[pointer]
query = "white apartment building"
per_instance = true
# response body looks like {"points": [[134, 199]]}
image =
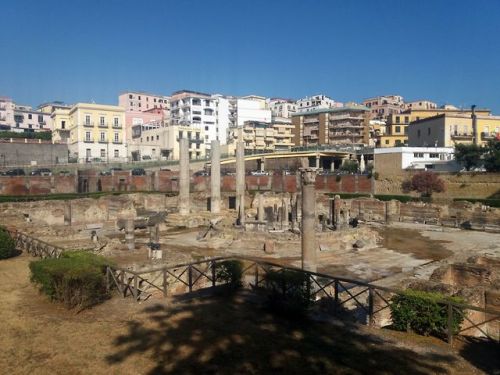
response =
{"points": [[197, 110], [6, 113], [26, 119], [395, 160], [252, 108], [316, 102], [282, 108]]}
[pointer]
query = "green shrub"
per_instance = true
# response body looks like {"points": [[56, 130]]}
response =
{"points": [[77, 279], [288, 292], [423, 313], [7, 244], [230, 273]]}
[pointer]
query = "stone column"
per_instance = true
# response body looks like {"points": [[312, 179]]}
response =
{"points": [[362, 164], [184, 176], [240, 180], [285, 223], [337, 202], [308, 177], [260, 208], [215, 178], [67, 212], [332, 166], [129, 233], [317, 161], [154, 233]]}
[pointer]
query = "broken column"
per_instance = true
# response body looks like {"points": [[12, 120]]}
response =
{"points": [[129, 233], [308, 178], [285, 215], [184, 176], [260, 209], [240, 181], [215, 178]]}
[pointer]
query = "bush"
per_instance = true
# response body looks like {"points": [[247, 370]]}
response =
{"points": [[230, 273], [425, 183], [422, 312], [7, 244], [289, 292], [77, 279]]}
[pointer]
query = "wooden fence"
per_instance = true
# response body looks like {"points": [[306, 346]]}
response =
{"points": [[34, 246]]}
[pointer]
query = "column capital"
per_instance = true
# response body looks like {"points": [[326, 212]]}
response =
{"points": [[307, 176]]}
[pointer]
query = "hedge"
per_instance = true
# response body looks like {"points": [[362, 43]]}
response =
{"points": [[7, 244], [425, 313], [230, 273], [77, 279], [288, 292]]}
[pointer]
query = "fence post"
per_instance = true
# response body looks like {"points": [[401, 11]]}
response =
{"points": [[136, 291], [370, 306], [256, 275], [122, 277], [336, 297], [450, 323], [190, 278], [108, 286], [164, 285], [213, 273]]}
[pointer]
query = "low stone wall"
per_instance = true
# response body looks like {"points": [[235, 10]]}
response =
{"points": [[462, 185]]}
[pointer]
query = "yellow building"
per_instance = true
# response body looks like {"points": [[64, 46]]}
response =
{"points": [[396, 129], [449, 129], [97, 132]]}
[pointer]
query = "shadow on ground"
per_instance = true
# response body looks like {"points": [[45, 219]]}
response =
{"points": [[230, 335], [482, 353]]}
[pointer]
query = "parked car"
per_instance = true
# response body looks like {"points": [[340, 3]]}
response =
{"points": [[15, 172], [259, 173], [138, 172], [41, 172], [201, 173]]}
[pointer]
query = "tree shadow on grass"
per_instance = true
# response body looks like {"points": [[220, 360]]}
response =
{"points": [[233, 335]]}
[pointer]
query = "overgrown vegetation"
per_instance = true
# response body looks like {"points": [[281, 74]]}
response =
{"points": [[76, 279], [424, 313], [486, 202], [426, 183], [7, 244], [230, 273], [350, 166], [477, 157], [288, 292], [45, 135]]}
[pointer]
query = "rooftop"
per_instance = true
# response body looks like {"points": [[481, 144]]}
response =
{"points": [[360, 108]]}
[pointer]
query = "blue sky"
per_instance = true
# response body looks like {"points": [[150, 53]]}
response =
{"points": [[446, 51]]}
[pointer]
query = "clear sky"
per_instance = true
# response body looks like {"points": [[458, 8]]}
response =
{"points": [[82, 50]]}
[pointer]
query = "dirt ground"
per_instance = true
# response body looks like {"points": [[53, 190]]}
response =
{"points": [[201, 336]]}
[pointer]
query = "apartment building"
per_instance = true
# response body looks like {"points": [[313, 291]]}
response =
{"points": [[6, 113], [420, 104], [97, 132], [396, 128], [27, 119], [59, 114], [140, 101], [381, 107], [196, 110], [449, 129], [334, 126], [282, 108], [315, 103], [262, 137]]}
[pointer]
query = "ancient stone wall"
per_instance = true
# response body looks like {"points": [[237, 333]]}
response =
{"points": [[463, 185]]}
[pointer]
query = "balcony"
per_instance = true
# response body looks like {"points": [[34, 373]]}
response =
{"points": [[103, 124], [117, 126], [488, 136], [311, 120], [103, 140], [88, 140], [117, 142], [88, 124], [466, 136], [196, 140]]}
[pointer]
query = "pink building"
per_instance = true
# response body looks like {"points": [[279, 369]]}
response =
{"points": [[139, 101], [155, 115]]}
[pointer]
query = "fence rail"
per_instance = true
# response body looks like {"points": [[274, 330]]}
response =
{"points": [[342, 297], [34, 246]]}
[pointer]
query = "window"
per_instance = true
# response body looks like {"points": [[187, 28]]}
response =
{"points": [[116, 138], [418, 155], [398, 120], [139, 98], [198, 145], [87, 136], [428, 131], [87, 119], [147, 139], [397, 129], [418, 133], [433, 155], [115, 121], [103, 137], [206, 127], [153, 151], [40, 118], [180, 135], [103, 153], [88, 153], [407, 119], [30, 116], [63, 124], [116, 153], [197, 135]]}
